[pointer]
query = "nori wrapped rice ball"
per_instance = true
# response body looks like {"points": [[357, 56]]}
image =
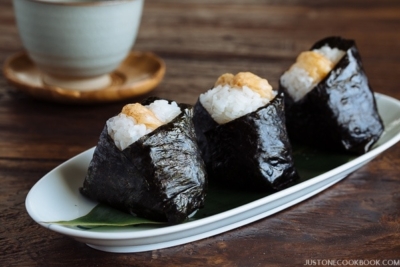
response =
{"points": [[251, 152], [339, 113], [160, 177]]}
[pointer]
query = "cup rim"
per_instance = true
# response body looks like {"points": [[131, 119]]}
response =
{"points": [[85, 3]]}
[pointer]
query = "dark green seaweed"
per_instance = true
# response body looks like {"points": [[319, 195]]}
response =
{"points": [[249, 153], [159, 177], [340, 113]]}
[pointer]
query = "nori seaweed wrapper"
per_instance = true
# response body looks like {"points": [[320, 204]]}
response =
{"points": [[339, 113], [251, 152], [160, 177]]}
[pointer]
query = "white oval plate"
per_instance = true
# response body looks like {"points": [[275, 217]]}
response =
{"points": [[56, 197]]}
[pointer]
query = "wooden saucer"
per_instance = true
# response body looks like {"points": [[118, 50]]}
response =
{"points": [[138, 74]]}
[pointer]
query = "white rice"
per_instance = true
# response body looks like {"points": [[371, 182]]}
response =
{"points": [[333, 54], [297, 81], [164, 111], [124, 129], [225, 103]]}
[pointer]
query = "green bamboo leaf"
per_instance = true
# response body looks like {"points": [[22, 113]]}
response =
{"points": [[309, 163], [103, 215]]}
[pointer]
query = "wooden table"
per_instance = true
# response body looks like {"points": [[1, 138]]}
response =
{"points": [[358, 218]]}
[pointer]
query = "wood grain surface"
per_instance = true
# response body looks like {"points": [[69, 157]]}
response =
{"points": [[358, 218]]}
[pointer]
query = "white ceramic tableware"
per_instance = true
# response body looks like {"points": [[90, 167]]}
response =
{"points": [[77, 43], [56, 197]]}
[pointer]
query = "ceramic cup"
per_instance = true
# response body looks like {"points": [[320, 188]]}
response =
{"points": [[76, 44]]}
